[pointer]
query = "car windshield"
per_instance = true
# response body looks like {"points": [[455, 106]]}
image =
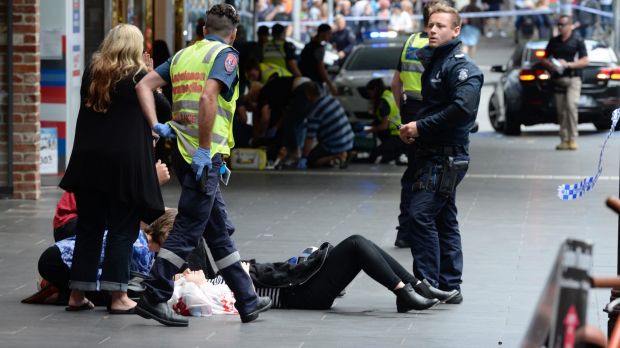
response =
{"points": [[597, 53], [374, 57]]}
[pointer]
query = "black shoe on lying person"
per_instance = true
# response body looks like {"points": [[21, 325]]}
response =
{"points": [[407, 299], [264, 303], [425, 289], [160, 312]]}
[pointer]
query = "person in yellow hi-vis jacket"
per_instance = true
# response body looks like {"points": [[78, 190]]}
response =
{"points": [[407, 91], [385, 126], [204, 80]]}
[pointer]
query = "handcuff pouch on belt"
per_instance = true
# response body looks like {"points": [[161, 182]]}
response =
{"points": [[441, 177]]}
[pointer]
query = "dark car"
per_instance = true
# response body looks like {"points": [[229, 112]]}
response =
{"points": [[524, 94]]}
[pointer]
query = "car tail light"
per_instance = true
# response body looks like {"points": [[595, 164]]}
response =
{"points": [[531, 75], [609, 74]]}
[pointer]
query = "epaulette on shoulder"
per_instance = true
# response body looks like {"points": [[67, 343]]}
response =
{"points": [[459, 55]]}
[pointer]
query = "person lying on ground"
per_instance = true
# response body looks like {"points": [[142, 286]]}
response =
{"points": [[313, 283]]}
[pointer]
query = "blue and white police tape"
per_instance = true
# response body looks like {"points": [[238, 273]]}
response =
{"points": [[571, 192], [566, 9]]}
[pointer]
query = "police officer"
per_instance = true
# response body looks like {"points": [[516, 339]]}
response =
{"points": [[451, 85], [280, 52], [407, 90], [204, 81]]}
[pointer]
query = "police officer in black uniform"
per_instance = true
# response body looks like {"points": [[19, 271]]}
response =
{"points": [[451, 85]]}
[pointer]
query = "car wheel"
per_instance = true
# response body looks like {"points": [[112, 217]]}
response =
{"points": [[604, 124], [512, 126], [601, 126], [495, 114]]}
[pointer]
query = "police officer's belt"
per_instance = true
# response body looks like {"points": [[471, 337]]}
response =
{"points": [[412, 96], [447, 150]]}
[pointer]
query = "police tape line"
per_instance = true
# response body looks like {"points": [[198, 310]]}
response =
{"points": [[570, 192], [592, 10], [485, 14]]}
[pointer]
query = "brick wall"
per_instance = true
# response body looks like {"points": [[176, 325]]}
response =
{"points": [[3, 95], [26, 99]]}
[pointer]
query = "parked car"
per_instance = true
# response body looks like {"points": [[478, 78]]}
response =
{"points": [[330, 58], [524, 93], [367, 61]]}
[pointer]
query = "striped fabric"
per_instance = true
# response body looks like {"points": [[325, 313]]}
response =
{"points": [[274, 294], [328, 122], [216, 281]]}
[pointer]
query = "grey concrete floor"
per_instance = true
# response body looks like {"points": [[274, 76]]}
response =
{"points": [[511, 223]]}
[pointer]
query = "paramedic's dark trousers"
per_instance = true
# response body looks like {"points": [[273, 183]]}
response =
{"points": [[200, 214]]}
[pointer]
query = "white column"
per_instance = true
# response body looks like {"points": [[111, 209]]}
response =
{"points": [[296, 19], [330, 12], [616, 32]]}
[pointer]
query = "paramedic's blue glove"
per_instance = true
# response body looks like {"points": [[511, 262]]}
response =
{"points": [[200, 160], [303, 163], [164, 131]]}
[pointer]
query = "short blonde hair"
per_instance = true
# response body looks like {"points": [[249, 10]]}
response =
{"points": [[440, 7]]}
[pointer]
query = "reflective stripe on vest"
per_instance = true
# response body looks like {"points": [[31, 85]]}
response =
{"points": [[268, 71], [189, 71], [394, 115], [273, 53], [411, 67]]}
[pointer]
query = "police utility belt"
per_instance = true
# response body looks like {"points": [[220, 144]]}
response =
{"points": [[439, 178]]}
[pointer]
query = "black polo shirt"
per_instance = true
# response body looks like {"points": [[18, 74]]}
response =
{"points": [[567, 50], [311, 56]]}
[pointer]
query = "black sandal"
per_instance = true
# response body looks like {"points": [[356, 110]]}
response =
{"points": [[86, 306]]}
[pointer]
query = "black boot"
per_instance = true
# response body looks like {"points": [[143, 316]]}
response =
{"points": [[159, 311], [264, 303], [425, 289], [407, 299]]}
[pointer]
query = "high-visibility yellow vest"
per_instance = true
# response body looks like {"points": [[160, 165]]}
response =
{"points": [[269, 71], [394, 115], [189, 71], [273, 53], [411, 68]]}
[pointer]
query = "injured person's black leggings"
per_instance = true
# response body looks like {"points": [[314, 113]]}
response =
{"points": [[342, 265]]}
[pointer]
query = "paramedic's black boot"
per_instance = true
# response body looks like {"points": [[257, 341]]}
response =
{"points": [[264, 303], [160, 312], [407, 299], [425, 289]]}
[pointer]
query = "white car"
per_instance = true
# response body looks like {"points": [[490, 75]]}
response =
{"points": [[330, 58], [367, 61]]}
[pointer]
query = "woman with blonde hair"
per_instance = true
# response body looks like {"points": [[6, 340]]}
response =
{"points": [[111, 170]]}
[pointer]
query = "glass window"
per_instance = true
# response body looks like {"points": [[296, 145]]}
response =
{"points": [[374, 57]]}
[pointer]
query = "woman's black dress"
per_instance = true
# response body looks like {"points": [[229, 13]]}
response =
{"points": [[113, 151]]}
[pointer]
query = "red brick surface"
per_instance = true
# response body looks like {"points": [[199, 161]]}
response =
{"points": [[26, 97]]}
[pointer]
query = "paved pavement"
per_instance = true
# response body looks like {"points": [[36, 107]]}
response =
{"points": [[512, 225], [511, 222]]}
